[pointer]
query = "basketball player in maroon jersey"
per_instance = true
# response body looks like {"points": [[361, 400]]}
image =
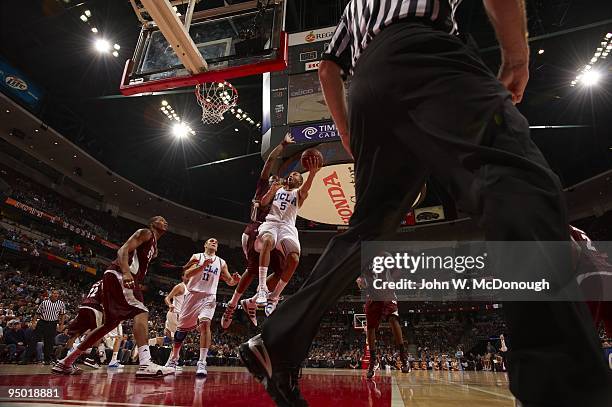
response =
{"points": [[594, 276], [89, 315], [376, 311], [258, 216], [122, 299]]}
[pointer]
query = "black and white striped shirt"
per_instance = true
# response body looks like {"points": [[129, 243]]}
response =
{"points": [[363, 19], [50, 311]]}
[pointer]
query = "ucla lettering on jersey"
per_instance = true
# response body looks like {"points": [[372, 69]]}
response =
{"points": [[207, 279], [284, 206]]}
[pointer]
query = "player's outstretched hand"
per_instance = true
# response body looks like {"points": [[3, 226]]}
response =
{"points": [[288, 139], [314, 164]]}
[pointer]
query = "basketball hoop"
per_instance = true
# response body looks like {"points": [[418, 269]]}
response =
{"points": [[215, 98]]}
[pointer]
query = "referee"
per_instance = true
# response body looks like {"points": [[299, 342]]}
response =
{"points": [[422, 102], [50, 313]]}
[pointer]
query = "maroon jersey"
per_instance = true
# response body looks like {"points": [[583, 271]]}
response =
{"points": [[94, 298], [139, 259], [258, 213], [590, 260]]}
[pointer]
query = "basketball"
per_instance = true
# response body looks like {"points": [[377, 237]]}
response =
{"points": [[310, 153]]}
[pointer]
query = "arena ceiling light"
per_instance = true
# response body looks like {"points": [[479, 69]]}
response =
{"points": [[102, 46], [244, 116], [590, 78], [181, 130], [167, 109]]}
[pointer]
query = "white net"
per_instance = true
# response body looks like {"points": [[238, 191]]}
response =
{"points": [[215, 98]]}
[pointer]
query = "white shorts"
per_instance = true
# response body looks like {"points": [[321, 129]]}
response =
{"points": [[285, 237], [171, 321], [196, 307]]}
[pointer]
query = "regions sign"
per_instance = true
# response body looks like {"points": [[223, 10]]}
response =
{"points": [[331, 198], [315, 133], [307, 37]]}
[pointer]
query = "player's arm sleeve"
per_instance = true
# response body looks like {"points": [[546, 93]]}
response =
{"points": [[339, 48]]}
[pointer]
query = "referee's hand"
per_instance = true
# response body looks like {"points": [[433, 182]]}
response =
{"points": [[514, 75]]}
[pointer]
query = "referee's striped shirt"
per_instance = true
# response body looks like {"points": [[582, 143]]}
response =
{"points": [[50, 311], [363, 19]]}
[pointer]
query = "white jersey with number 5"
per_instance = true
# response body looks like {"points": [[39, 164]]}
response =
{"points": [[284, 206], [207, 279]]}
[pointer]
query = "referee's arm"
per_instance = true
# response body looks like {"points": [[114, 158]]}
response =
{"points": [[330, 75]]}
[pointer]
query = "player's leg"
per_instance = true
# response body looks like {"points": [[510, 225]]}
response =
{"points": [[206, 314], [396, 329], [252, 259], [371, 334], [290, 244], [117, 335], [187, 321], [205, 342], [266, 241], [147, 367], [291, 263], [373, 311]]}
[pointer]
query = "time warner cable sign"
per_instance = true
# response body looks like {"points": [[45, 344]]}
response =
{"points": [[315, 133]]}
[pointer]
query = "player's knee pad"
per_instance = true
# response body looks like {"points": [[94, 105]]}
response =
{"points": [[179, 336]]}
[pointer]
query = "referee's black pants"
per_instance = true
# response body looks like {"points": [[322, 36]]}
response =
{"points": [[47, 330], [422, 101]]}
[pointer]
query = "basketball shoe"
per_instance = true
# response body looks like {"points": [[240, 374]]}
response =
{"points": [[250, 307], [201, 370], [60, 368], [153, 370], [271, 306], [228, 316], [262, 296], [281, 384]]}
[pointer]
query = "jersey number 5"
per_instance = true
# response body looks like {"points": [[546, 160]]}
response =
{"points": [[283, 205]]}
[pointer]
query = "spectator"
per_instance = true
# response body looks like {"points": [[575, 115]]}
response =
{"points": [[34, 347], [14, 340]]}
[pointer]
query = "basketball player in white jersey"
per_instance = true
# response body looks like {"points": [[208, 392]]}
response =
{"points": [[203, 272], [174, 300], [279, 231]]}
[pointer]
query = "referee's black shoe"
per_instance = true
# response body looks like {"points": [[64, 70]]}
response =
{"points": [[281, 384]]}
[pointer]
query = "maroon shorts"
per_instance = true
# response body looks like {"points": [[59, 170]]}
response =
{"points": [[120, 303], [86, 319], [277, 260], [378, 310]]}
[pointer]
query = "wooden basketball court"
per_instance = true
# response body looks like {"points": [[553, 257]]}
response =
{"points": [[235, 387]]}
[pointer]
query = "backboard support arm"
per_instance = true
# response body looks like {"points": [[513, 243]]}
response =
{"points": [[175, 33]]}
